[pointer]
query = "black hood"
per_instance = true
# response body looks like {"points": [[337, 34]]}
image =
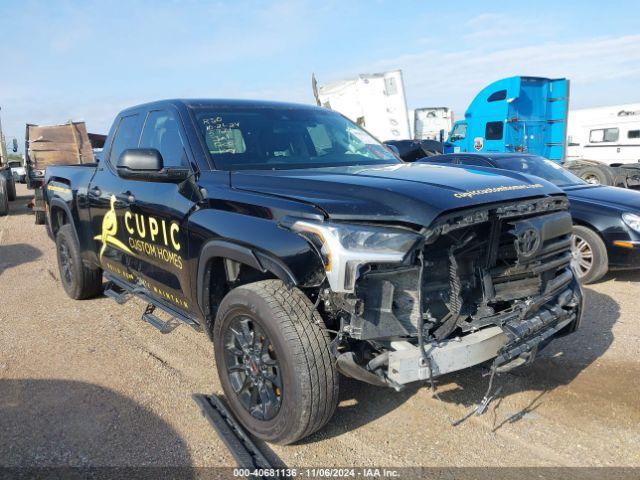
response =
{"points": [[616, 198], [411, 193]]}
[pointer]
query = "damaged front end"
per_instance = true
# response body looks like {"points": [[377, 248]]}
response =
{"points": [[491, 283]]}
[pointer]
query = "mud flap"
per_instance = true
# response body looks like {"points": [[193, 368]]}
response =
{"points": [[232, 434]]}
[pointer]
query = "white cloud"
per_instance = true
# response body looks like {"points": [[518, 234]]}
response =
{"points": [[434, 77]]}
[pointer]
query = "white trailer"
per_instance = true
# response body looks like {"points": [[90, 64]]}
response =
{"points": [[605, 136], [432, 123], [375, 101]]}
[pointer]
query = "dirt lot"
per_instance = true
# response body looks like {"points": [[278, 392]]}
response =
{"points": [[88, 383]]}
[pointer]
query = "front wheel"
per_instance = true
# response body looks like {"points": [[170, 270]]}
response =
{"points": [[588, 255], [274, 361]]}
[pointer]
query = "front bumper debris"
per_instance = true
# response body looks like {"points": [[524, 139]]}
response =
{"points": [[505, 343]]}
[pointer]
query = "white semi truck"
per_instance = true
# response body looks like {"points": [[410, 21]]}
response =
{"points": [[606, 136], [375, 101]]}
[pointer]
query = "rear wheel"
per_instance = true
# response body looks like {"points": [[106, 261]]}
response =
{"points": [[4, 198], [274, 361], [596, 175], [588, 255], [11, 189], [40, 217], [78, 280]]}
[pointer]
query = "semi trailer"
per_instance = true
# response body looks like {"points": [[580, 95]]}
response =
{"points": [[531, 115]]}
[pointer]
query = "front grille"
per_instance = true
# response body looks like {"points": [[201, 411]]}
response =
{"points": [[481, 267]]}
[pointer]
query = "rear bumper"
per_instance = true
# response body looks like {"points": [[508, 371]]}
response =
{"points": [[503, 343]]}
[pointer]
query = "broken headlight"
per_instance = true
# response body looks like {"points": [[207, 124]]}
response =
{"points": [[345, 248]]}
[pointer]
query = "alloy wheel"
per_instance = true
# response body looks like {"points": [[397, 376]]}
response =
{"points": [[253, 368], [581, 255], [66, 262]]}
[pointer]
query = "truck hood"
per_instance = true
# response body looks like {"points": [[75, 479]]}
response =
{"points": [[407, 193], [622, 199]]}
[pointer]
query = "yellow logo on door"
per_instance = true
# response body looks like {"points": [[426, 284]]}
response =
{"points": [[109, 230]]}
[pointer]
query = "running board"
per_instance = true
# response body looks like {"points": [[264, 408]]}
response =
{"points": [[232, 434], [165, 326], [122, 291], [117, 293]]}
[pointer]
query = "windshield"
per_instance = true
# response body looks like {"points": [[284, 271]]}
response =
{"points": [[459, 131], [283, 138], [540, 167]]}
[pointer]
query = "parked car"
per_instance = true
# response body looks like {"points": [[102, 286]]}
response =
{"points": [[606, 230], [18, 171], [303, 247], [412, 150]]}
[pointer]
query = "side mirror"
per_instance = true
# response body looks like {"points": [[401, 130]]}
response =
{"points": [[146, 164]]}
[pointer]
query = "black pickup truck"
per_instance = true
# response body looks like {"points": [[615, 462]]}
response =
{"points": [[303, 247]]}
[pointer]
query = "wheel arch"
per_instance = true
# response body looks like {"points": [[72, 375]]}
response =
{"points": [[583, 223], [59, 215], [216, 254]]}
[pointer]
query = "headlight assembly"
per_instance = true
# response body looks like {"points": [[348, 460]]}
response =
{"points": [[632, 220], [345, 248]]}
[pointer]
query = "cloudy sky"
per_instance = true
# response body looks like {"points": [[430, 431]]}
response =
{"points": [[86, 60]]}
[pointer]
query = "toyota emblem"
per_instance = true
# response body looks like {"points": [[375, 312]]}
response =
{"points": [[527, 242]]}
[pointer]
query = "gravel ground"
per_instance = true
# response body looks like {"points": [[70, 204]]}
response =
{"points": [[88, 383]]}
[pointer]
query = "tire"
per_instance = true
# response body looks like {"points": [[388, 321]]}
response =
{"points": [[4, 198], [596, 175], [589, 255], [297, 358], [11, 189], [40, 217], [78, 280]]}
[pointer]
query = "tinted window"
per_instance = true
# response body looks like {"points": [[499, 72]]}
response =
{"points": [[161, 131], [493, 131], [633, 134], [126, 137], [274, 138], [604, 135], [477, 161], [538, 166], [496, 96]]}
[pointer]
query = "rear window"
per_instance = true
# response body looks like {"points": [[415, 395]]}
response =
{"points": [[493, 131]]}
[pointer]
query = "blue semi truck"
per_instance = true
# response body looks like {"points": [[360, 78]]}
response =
{"points": [[529, 115]]}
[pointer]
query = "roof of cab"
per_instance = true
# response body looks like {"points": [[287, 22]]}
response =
{"points": [[221, 103]]}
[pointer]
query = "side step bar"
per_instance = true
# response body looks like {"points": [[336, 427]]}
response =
{"points": [[121, 292], [117, 293], [165, 326], [232, 434]]}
